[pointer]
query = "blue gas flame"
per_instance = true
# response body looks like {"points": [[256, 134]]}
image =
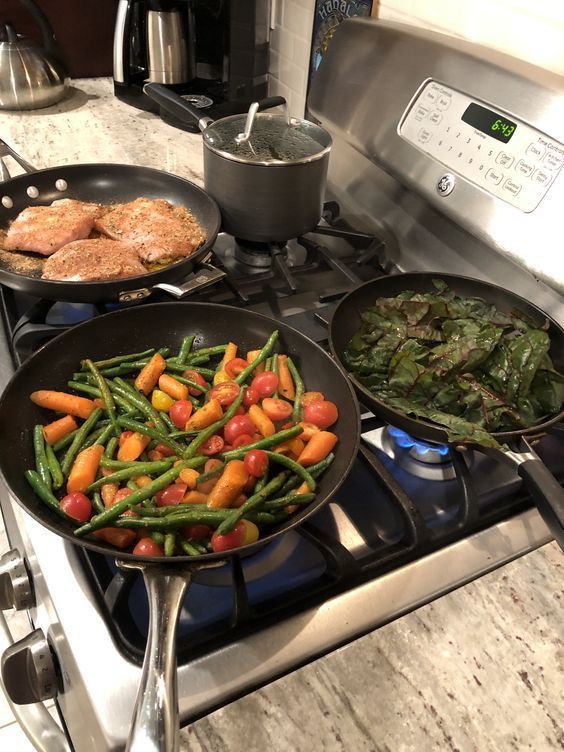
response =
{"points": [[406, 441]]}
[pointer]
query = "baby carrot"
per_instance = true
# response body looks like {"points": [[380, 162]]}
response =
{"points": [[317, 448], [172, 387], [285, 382], [84, 469], [229, 486], [63, 402], [133, 447], [58, 429], [149, 374]]}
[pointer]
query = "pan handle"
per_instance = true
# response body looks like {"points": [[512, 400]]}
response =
{"points": [[547, 493], [176, 105], [7, 151], [155, 719]]}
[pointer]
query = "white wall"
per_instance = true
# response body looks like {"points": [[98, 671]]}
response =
{"points": [[532, 30]]}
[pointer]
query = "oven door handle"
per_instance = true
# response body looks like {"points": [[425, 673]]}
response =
{"points": [[34, 719]]}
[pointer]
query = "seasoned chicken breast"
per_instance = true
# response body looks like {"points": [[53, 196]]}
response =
{"points": [[88, 260], [160, 231], [45, 229]]}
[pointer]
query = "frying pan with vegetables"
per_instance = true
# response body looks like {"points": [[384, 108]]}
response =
{"points": [[155, 722], [508, 446], [104, 184]]}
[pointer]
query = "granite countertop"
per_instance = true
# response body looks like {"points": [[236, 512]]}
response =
{"points": [[478, 670]]}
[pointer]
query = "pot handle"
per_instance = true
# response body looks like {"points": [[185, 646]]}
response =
{"points": [[262, 104], [547, 493], [176, 105]]}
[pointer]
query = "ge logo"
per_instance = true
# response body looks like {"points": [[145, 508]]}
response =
{"points": [[446, 184]]}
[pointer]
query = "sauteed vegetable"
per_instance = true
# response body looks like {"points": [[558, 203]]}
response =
{"points": [[459, 362], [173, 457]]}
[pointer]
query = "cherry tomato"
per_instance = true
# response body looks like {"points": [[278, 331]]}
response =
{"points": [[256, 462], [165, 450], [77, 505], [123, 436], [321, 413], [265, 383], [197, 378], [243, 533], [171, 495], [148, 547], [242, 440], [225, 392], [251, 397], [196, 532], [234, 367], [308, 397], [237, 426], [276, 409], [213, 445], [180, 412]]}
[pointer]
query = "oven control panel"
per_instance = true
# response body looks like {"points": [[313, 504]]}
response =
{"points": [[492, 149]]}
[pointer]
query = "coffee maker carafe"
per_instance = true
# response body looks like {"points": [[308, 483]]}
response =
{"points": [[213, 52]]}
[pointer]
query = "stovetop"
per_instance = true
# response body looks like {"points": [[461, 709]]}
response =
{"points": [[403, 504]]}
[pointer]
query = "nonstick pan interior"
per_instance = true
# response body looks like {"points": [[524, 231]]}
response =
{"points": [[346, 321], [106, 184], [159, 325]]}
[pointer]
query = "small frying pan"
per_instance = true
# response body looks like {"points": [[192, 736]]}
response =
{"points": [[155, 724], [545, 490], [104, 184]]}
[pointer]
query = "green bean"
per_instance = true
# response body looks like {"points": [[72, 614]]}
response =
{"points": [[132, 485], [275, 370], [158, 537], [54, 466], [195, 545], [113, 512], [207, 373], [269, 441], [299, 385], [104, 436], [118, 359], [44, 493], [197, 358], [41, 464], [167, 421], [110, 448], [266, 518], [210, 474], [140, 402], [268, 364], [261, 482], [105, 393], [79, 439], [189, 548], [304, 474], [64, 442], [134, 425], [185, 348], [211, 517], [110, 464], [204, 435], [314, 470], [97, 502], [169, 544], [95, 392], [284, 501], [214, 350], [80, 376], [192, 384], [263, 355], [251, 504], [143, 468], [130, 366]]}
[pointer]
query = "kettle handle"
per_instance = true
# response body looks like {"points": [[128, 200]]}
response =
{"points": [[40, 18]]}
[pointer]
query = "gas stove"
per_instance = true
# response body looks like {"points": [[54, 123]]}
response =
{"points": [[413, 520]]}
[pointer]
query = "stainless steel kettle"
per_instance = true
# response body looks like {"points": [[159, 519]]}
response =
{"points": [[31, 75]]}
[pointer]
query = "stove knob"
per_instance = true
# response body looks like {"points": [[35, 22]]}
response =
{"points": [[28, 670], [15, 585]]}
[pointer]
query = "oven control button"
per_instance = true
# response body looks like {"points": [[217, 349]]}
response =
{"points": [[421, 112], [424, 136], [494, 176], [446, 184], [435, 117], [553, 160], [15, 584], [28, 670], [511, 186], [503, 159], [535, 151], [430, 95], [524, 168], [443, 101], [542, 178]]}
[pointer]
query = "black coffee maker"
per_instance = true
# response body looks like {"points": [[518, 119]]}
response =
{"points": [[213, 52]]}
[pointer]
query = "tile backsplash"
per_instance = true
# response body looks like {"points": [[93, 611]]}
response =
{"points": [[531, 31]]}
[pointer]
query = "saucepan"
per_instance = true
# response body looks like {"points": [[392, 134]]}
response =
{"points": [[513, 448], [104, 184], [266, 171], [155, 723]]}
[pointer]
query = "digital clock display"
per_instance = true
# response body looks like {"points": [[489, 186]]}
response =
{"points": [[491, 123]]}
